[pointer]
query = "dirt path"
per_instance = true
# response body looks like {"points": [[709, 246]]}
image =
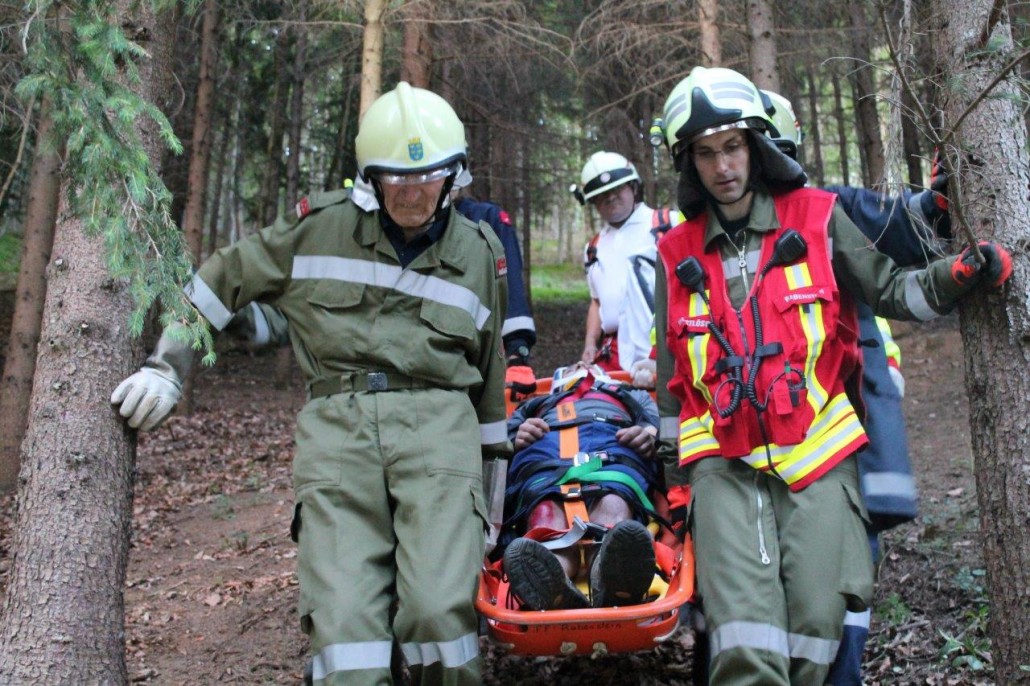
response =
{"points": [[211, 590]]}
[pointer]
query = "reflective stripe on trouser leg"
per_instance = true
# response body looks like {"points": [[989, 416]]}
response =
{"points": [[847, 667], [345, 545], [825, 566], [744, 605], [435, 479]]}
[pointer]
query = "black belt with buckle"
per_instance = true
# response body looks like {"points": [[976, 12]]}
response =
{"points": [[371, 382]]}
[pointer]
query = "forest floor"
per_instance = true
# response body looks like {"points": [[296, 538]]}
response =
{"points": [[211, 589]]}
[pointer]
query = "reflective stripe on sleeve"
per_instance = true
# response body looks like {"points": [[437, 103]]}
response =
{"points": [[897, 484], [261, 332], [392, 277], [449, 653], [669, 428], [342, 657], [494, 432], [205, 300], [517, 324], [916, 299], [859, 619]]}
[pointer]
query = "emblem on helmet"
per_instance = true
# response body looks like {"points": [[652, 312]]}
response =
{"points": [[415, 151]]}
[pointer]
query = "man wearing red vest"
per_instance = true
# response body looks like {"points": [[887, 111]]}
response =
{"points": [[757, 366]]}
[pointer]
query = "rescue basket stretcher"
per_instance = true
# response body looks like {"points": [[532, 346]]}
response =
{"points": [[590, 631]]}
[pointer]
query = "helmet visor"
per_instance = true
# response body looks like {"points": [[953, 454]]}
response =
{"points": [[415, 178]]}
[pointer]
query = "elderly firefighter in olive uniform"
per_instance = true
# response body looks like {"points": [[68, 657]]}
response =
{"points": [[395, 316]]}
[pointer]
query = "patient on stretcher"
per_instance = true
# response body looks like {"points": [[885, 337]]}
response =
{"points": [[577, 500]]}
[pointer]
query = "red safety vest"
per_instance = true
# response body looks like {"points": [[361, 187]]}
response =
{"points": [[809, 429]]}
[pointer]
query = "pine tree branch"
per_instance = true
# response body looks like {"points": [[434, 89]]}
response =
{"points": [[26, 127]]}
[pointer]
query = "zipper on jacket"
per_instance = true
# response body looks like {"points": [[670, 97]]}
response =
{"points": [[761, 529], [742, 264]]}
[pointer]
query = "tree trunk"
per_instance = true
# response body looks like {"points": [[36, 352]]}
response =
{"points": [[63, 619], [842, 129], [37, 242], [372, 54], [708, 30], [866, 180], [871, 143], [911, 141], [990, 151], [813, 130], [215, 216], [295, 127], [418, 49], [200, 156], [277, 128], [762, 32]]}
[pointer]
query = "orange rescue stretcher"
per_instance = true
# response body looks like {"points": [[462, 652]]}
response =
{"points": [[592, 631]]}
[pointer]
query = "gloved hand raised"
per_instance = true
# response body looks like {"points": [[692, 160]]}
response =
{"points": [[966, 269], [146, 398]]}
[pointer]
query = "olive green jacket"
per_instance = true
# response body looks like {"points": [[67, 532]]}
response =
{"points": [[331, 270]]}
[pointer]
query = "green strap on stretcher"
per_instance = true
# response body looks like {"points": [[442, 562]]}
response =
{"points": [[590, 471]]}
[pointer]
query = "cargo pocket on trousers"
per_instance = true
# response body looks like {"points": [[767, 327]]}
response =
{"points": [[856, 564]]}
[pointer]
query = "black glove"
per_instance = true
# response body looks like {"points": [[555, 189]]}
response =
{"points": [[518, 356], [996, 269]]}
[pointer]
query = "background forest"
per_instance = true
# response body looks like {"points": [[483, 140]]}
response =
{"points": [[149, 134]]}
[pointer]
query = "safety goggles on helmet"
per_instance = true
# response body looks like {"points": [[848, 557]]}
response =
{"points": [[416, 178]]}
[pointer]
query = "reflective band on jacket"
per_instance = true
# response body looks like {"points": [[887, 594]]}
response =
{"points": [[262, 334], [916, 299], [811, 318], [494, 432], [517, 324], [835, 427], [669, 428], [758, 636], [343, 657], [894, 484], [448, 653], [205, 300], [393, 277]]}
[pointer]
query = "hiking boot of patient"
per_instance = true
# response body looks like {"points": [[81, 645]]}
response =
{"points": [[624, 566], [536, 577]]}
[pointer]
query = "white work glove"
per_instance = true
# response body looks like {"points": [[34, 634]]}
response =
{"points": [[642, 374], [898, 379], [149, 396], [146, 398]]}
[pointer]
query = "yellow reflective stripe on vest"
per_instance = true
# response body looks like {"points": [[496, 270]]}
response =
{"points": [[392, 277], [345, 657], [812, 324], [449, 653], [833, 428], [890, 347], [695, 437], [698, 344]]}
